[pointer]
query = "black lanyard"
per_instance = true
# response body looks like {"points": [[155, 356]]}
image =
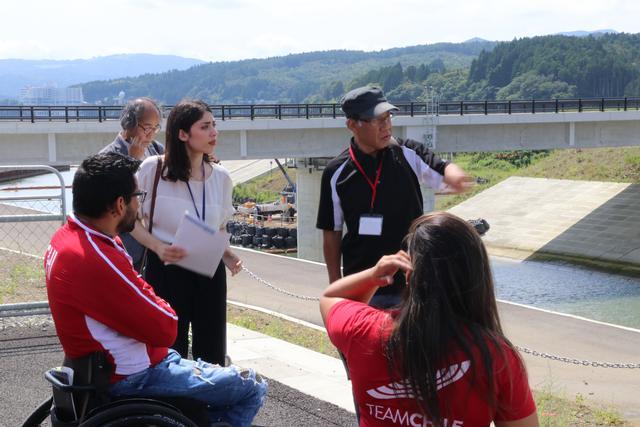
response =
{"points": [[203, 197]]}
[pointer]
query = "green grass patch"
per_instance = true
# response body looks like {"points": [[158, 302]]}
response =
{"points": [[264, 188], [21, 279], [589, 164], [282, 329], [488, 169], [555, 411]]}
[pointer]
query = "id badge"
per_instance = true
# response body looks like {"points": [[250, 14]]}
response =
{"points": [[370, 225]]}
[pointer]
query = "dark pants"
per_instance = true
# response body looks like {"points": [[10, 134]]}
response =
{"points": [[199, 301]]}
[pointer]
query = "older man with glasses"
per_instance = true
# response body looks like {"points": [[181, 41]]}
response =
{"points": [[374, 188], [140, 121]]}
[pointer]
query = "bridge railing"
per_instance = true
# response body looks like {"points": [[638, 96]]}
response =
{"points": [[100, 113]]}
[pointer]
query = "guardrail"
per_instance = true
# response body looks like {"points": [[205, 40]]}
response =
{"points": [[29, 213], [28, 218], [100, 113]]}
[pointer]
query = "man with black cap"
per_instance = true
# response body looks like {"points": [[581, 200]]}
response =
{"points": [[374, 187]]}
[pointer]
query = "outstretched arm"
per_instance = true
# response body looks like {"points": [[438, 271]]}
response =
{"points": [[457, 179]]}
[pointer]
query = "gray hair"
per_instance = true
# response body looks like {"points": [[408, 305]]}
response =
{"points": [[134, 110]]}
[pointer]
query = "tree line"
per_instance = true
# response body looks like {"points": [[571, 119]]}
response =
{"points": [[545, 67]]}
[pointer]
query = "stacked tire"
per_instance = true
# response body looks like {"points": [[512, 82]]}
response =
{"points": [[255, 236]]}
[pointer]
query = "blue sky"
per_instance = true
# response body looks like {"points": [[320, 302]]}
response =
{"points": [[217, 30]]}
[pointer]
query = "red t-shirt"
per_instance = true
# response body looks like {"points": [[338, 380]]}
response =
{"points": [[360, 333]]}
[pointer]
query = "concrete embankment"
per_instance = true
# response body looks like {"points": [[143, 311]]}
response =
{"points": [[584, 220]]}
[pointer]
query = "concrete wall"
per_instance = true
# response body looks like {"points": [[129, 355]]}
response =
{"points": [[309, 238]]}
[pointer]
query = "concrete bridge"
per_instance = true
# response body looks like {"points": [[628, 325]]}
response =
{"points": [[311, 133]]}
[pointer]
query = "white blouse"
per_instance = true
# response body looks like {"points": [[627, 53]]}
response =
{"points": [[173, 199]]}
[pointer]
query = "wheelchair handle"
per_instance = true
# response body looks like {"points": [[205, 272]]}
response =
{"points": [[66, 387]]}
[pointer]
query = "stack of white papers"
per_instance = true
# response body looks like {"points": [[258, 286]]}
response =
{"points": [[203, 244]]}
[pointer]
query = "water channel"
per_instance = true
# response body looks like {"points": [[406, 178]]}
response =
{"points": [[563, 288]]}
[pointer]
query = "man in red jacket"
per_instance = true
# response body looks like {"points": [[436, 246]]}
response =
{"points": [[100, 303]]}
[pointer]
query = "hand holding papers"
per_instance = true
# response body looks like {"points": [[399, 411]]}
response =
{"points": [[204, 245]]}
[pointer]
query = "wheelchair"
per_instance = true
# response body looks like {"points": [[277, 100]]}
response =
{"points": [[86, 402]]}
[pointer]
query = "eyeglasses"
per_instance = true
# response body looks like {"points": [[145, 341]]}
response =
{"points": [[379, 121], [150, 129], [140, 194]]}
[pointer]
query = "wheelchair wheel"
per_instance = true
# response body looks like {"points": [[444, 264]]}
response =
{"points": [[38, 416], [139, 414]]}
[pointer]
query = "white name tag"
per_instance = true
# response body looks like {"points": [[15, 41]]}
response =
{"points": [[370, 225]]}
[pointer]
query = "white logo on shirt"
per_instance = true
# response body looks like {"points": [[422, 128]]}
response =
{"points": [[49, 259], [401, 390]]}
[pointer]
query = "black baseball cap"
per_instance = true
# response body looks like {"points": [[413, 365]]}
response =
{"points": [[365, 102]]}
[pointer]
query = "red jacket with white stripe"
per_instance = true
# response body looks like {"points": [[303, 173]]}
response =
{"points": [[100, 303]]}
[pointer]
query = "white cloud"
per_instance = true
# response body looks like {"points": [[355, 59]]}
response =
{"points": [[235, 29]]}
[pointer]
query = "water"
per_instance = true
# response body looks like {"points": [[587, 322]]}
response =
{"points": [[567, 289], [49, 179]]}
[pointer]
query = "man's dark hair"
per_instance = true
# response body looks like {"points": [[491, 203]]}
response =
{"points": [[100, 180]]}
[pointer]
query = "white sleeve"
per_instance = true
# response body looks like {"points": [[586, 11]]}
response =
{"points": [[227, 197], [421, 169], [145, 177]]}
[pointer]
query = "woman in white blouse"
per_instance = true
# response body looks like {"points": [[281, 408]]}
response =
{"points": [[191, 182]]}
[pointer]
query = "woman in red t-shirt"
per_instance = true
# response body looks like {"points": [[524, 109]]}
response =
{"points": [[440, 358]]}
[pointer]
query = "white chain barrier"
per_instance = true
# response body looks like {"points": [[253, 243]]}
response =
{"points": [[277, 289], [521, 349], [578, 361]]}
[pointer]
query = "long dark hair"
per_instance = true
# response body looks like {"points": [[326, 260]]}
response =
{"points": [[449, 304], [176, 159]]}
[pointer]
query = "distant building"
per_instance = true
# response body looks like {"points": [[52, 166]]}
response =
{"points": [[51, 95]]}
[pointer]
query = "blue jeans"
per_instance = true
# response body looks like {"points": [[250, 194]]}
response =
{"points": [[232, 395]]}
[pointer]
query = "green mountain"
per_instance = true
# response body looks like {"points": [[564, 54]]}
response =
{"points": [[545, 67], [559, 66], [291, 78]]}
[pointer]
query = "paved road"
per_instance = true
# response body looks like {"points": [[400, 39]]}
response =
{"points": [[27, 351], [536, 329]]}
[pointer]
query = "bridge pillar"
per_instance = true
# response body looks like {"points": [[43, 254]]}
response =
{"points": [[51, 140], [308, 181]]}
